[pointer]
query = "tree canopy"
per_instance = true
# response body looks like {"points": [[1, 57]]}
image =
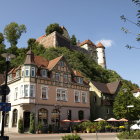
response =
{"points": [[13, 32], [136, 23], [54, 27], [123, 100], [73, 40]]}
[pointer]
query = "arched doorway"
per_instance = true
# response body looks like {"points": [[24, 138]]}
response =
{"points": [[26, 116]]}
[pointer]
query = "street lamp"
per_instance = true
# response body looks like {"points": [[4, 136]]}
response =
{"points": [[129, 106], [8, 57]]}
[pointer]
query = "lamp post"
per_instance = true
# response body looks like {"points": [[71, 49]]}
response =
{"points": [[129, 106], [8, 58]]}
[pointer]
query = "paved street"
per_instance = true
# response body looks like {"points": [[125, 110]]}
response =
{"points": [[85, 136]]}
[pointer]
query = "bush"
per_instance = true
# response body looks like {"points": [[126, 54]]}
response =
{"points": [[71, 137], [39, 126], [54, 27], [32, 123], [20, 126], [125, 135]]}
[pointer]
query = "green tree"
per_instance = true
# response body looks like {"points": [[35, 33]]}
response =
{"points": [[1, 38], [32, 123], [122, 100], [136, 23], [73, 40], [2, 50], [20, 126], [13, 32], [37, 48], [54, 27]]}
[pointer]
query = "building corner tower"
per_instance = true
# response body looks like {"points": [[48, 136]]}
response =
{"points": [[101, 60]]}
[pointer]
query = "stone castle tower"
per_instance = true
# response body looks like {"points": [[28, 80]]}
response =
{"points": [[97, 52]]}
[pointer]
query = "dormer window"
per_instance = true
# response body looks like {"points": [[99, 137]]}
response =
{"points": [[17, 73], [33, 71], [27, 71], [44, 73], [61, 63], [79, 80], [9, 77]]}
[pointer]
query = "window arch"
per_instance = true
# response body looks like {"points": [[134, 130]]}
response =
{"points": [[81, 115], [43, 116], [15, 115], [55, 117], [6, 119]]}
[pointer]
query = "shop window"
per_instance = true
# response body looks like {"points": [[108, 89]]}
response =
{"points": [[43, 116], [81, 115]]}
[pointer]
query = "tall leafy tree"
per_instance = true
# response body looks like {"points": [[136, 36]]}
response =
{"points": [[2, 50], [73, 40], [54, 27], [13, 32], [122, 100]]}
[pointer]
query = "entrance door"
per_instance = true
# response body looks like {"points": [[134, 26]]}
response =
{"points": [[26, 120]]}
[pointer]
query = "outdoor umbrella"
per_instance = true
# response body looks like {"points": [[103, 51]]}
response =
{"points": [[66, 120], [112, 120], [99, 119], [76, 121], [123, 120], [135, 127]]}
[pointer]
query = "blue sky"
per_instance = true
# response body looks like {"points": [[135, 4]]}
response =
{"points": [[87, 19]]}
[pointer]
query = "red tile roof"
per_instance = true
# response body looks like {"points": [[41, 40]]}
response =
{"points": [[89, 42], [40, 38], [41, 61], [100, 45], [53, 62]]}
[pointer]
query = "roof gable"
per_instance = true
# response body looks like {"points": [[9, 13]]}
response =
{"points": [[109, 88], [52, 63], [89, 42]]}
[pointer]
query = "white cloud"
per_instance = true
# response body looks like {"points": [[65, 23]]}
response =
{"points": [[106, 43]]}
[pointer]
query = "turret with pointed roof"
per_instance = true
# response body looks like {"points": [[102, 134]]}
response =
{"points": [[29, 58], [101, 55]]}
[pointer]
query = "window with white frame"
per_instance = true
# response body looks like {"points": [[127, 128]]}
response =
{"points": [[21, 91], [65, 78], [27, 71], [57, 76], [80, 80], [16, 93], [84, 97], [61, 95], [44, 94], [29, 91], [33, 71], [77, 96], [26, 90], [32, 91], [44, 73]]}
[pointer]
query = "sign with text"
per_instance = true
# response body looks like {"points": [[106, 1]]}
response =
{"points": [[5, 107]]}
